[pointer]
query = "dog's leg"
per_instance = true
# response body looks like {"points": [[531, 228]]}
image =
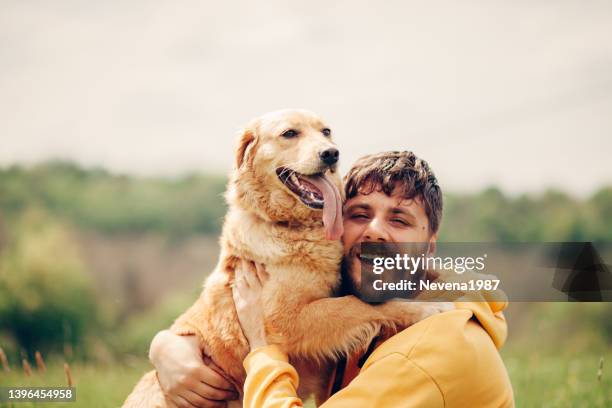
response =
{"points": [[326, 328], [405, 313], [146, 394], [315, 379]]}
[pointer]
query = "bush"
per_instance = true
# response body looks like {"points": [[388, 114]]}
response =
{"points": [[135, 334], [46, 300]]}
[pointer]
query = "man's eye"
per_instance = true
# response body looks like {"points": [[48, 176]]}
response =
{"points": [[288, 134], [363, 216], [400, 221], [326, 132]]}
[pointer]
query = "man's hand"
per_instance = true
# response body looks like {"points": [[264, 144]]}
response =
{"points": [[247, 291], [183, 374]]}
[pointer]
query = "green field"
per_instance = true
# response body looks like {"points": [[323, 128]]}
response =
{"points": [[97, 263], [538, 381], [559, 382], [97, 386]]}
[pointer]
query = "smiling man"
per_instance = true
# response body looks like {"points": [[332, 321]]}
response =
{"points": [[446, 360]]}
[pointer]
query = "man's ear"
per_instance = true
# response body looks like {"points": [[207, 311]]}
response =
{"points": [[433, 244], [246, 147]]}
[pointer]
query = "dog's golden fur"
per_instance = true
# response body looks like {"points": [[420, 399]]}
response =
{"points": [[267, 223]]}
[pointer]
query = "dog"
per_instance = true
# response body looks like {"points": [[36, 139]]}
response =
{"points": [[285, 211]]}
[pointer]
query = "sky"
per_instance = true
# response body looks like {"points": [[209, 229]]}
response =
{"points": [[514, 94]]}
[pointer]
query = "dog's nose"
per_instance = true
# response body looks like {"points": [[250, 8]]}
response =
{"points": [[329, 156]]}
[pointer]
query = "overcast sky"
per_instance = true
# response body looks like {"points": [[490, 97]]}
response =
{"points": [[513, 93]]}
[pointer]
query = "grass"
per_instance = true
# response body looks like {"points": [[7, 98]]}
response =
{"points": [[538, 381], [560, 381], [97, 386]]}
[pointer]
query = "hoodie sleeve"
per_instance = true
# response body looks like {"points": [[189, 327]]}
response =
{"points": [[272, 383]]}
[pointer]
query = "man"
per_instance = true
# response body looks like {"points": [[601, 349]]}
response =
{"points": [[449, 359]]}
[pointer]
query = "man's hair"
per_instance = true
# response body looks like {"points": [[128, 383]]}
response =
{"points": [[387, 171]]}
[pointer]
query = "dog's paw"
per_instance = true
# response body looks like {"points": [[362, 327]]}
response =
{"points": [[407, 313], [433, 308]]}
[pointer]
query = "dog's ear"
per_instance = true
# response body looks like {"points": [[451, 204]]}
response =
{"points": [[246, 146]]}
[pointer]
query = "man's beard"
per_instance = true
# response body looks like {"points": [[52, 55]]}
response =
{"points": [[347, 283]]}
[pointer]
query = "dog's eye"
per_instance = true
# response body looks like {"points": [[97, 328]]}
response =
{"points": [[326, 132], [288, 134]]}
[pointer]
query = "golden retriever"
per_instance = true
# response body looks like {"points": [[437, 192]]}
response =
{"points": [[285, 199]]}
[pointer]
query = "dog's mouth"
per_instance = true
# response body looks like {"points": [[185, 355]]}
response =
{"points": [[299, 185], [319, 192]]}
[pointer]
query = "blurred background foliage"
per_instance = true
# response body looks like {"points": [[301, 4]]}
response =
{"points": [[46, 299], [92, 264], [115, 204]]}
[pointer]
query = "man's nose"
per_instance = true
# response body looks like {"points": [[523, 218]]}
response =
{"points": [[329, 156], [375, 232]]}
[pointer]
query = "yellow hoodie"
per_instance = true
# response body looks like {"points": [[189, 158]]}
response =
{"points": [[446, 360]]}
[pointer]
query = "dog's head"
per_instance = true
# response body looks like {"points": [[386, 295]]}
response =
{"points": [[286, 170]]}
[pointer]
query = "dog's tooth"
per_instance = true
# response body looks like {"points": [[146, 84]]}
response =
{"points": [[294, 178]]}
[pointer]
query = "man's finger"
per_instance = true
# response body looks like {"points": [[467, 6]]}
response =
{"points": [[239, 271], [261, 273], [238, 300], [250, 275], [241, 286], [201, 402], [171, 401], [182, 402], [244, 272], [214, 404], [211, 377], [194, 399], [214, 394]]}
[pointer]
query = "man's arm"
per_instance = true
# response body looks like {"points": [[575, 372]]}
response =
{"points": [[272, 382]]}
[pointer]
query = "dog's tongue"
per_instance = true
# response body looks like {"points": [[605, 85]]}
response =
{"points": [[332, 206]]}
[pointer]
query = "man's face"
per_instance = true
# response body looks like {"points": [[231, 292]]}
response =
{"points": [[377, 217]]}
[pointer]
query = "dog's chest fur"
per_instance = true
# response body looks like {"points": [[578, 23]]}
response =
{"points": [[302, 266], [281, 245]]}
